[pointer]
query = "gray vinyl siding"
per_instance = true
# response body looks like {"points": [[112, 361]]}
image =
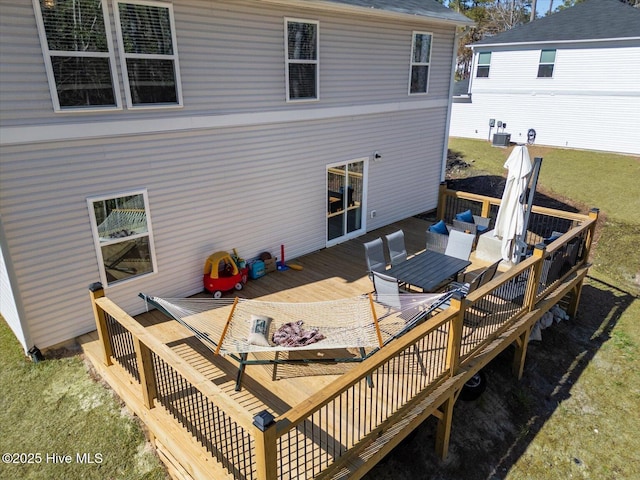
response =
{"points": [[251, 188], [231, 58]]}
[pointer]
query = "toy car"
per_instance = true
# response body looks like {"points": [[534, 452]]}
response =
{"points": [[221, 274]]}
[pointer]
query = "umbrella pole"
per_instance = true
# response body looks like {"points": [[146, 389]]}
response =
{"points": [[521, 244]]}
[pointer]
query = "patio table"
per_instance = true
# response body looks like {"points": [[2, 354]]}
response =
{"points": [[428, 270]]}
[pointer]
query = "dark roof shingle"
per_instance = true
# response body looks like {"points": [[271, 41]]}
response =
{"points": [[590, 20], [420, 8]]}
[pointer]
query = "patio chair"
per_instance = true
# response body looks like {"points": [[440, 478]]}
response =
{"points": [[387, 290], [374, 253], [467, 222], [437, 241], [467, 287], [460, 244], [397, 249], [388, 293], [487, 272], [490, 273]]}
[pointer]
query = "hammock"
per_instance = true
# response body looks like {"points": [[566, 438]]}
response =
{"points": [[123, 223], [237, 327]]}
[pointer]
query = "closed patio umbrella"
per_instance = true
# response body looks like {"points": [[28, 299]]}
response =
{"points": [[510, 220]]}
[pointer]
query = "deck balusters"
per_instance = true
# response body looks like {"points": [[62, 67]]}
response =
{"points": [[377, 397]]}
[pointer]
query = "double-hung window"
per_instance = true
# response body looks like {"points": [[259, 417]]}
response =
{"points": [[420, 62], [122, 234], [78, 54], [147, 43], [547, 61], [484, 62], [301, 59]]}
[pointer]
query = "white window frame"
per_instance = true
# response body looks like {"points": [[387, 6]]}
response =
{"points": [[541, 63], [48, 54], [420, 64], [124, 56], [98, 243], [487, 65], [289, 62]]}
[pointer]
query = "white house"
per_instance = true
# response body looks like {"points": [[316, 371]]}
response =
{"points": [[573, 77], [139, 136]]}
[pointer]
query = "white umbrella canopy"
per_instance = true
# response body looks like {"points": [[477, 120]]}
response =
{"points": [[510, 220]]}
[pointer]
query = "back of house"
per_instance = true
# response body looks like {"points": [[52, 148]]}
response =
{"points": [[139, 137]]}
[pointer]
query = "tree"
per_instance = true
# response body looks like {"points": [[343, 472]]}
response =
{"points": [[491, 17]]}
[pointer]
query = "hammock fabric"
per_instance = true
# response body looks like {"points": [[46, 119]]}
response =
{"points": [[123, 223], [228, 326]]}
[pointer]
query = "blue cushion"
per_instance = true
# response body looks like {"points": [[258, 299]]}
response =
{"points": [[550, 240], [482, 228], [439, 227], [465, 216]]}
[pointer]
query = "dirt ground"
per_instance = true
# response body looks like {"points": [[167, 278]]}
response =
{"points": [[491, 433]]}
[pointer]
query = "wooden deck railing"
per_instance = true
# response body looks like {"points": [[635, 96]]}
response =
{"points": [[416, 375], [165, 380], [543, 222]]}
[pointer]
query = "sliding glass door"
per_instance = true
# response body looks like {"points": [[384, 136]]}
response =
{"points": [[346, 194]]}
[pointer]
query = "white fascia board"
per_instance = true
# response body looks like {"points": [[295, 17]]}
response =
{"points": [[551, 42], [105, 129]]}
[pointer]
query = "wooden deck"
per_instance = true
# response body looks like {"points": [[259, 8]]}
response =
{"points": [[329, 412], [336, 272]]}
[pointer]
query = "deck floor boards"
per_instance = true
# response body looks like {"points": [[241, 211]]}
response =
{"points": [[331, 273]]}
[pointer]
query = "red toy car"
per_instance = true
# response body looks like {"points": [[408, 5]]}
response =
{"points": [[221, 274]]}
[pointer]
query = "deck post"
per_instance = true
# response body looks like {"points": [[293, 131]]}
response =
{"points": [[455, 334], [521, 343], [594, 214], [443, 432], [146, 372], [572, 308], [97, 291], [534, 280], [442, 201], [486, 208], [266, 449]]}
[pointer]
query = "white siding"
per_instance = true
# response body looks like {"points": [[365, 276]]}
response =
{"points": [[8, 307], [592, 102]]}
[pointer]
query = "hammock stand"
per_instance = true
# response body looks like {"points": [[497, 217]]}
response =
{"points": [[364, 323]]}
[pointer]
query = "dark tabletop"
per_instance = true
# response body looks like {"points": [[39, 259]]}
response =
{"points": [[428, 270]]}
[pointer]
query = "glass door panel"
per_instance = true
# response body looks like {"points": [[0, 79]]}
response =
{"points": [[345, 201], [354, 196], [336, 181]]}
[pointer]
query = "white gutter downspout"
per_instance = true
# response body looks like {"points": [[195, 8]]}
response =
{"points": [[473, 69], [443, 168]]}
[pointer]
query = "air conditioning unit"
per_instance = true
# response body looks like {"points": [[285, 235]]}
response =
{"points": [[501, 139]]}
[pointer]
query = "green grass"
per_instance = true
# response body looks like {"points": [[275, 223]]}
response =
{"points": [[55, 407], [592, 433], [590, 180], [594, 179]]}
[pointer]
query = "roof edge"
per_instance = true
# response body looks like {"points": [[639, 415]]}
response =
{"points": [[548, 42], [372, 12]]}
